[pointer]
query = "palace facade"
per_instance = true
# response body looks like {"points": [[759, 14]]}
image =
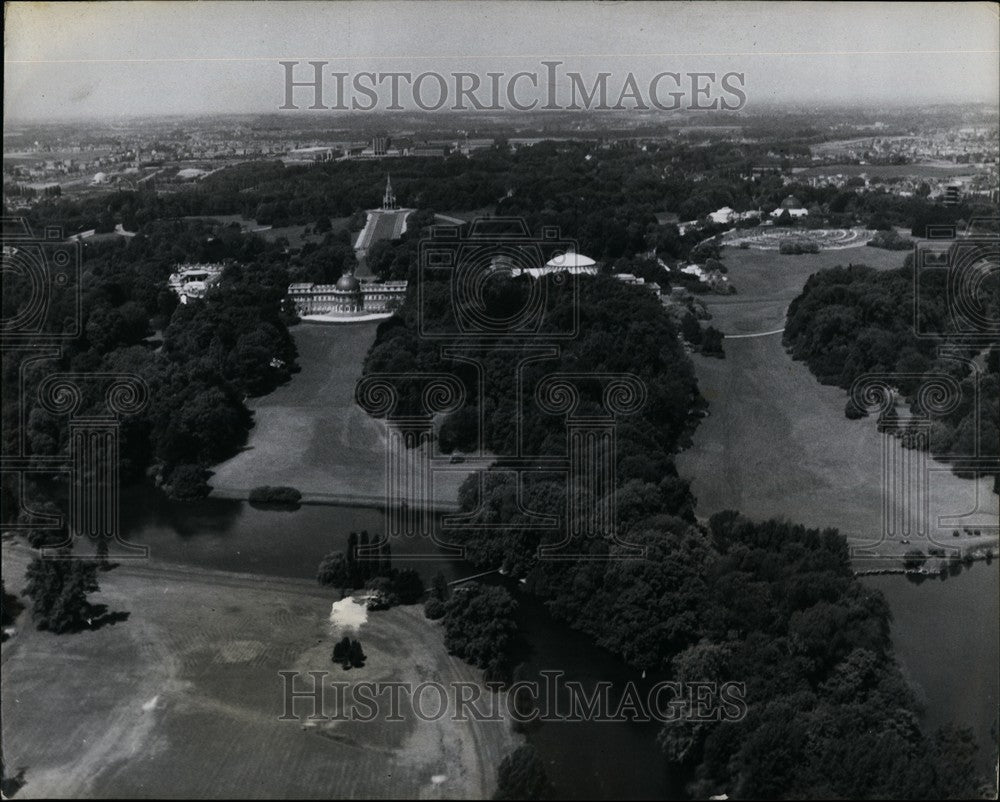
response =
{"points": [[348, 297]]}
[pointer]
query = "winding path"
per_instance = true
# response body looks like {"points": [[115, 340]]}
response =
{"points": [[758, 334]]}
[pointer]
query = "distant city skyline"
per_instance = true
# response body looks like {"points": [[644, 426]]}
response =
{"points": [[142, 59]]}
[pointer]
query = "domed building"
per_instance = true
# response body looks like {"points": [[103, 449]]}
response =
{"points": [[570, 262], [791, 205], [348, 298], [347, 295]]}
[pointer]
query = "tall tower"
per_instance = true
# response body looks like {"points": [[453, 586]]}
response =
{"points": [[389, 199]]}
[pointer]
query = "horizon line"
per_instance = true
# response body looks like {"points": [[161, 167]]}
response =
{"points": [[814, 104]]}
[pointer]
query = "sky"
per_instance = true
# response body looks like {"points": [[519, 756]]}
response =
{"points": [[110, 59]]}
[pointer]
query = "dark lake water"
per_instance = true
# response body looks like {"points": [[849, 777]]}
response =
{"points": [[948, 645], [944, 631]]}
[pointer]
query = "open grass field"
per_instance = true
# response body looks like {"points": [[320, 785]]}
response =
{"points": [[766, 282], [311, 435], [776, 442], [183, 698]]}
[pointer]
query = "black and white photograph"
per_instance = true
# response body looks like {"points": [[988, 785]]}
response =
{"points": [[500, 399]]}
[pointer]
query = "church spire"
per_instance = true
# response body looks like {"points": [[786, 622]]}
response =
{"points": [[389, 199]]}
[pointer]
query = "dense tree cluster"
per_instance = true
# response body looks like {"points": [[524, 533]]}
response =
{"points": [[367, 564], [200, 360], [853, 321], [363, 559], [890, 240], [481, 628], [829, 715], [522, 775], [58, 589], [622, 330]]}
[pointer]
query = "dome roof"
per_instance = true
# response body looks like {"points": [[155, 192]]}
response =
{"points": [[570, 259], [347, 283]]}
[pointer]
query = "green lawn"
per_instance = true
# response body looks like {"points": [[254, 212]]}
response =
{"points": [[310, 434]]}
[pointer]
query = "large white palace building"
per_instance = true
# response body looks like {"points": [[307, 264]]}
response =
{"points": [[347, 298]]}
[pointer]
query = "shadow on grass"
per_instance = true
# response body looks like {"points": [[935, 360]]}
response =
{"points": [[100, 617], [94, 618]]}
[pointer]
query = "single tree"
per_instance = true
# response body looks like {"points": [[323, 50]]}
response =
{"points": [[434, 609], [711, 342], [334, 571], [407, 585], [690, 329], [440, 589], [342, 651], [357, 654]]}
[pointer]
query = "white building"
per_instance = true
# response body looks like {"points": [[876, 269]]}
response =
{"points": [[575, 264], [795, 214], [347, 298], [193, 281]]}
